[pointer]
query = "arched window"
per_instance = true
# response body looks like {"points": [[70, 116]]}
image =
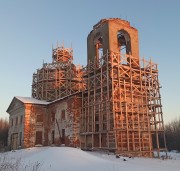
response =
{"points": [[124, 42]]}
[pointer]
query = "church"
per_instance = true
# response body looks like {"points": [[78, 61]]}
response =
{"points": [[113, 103]]}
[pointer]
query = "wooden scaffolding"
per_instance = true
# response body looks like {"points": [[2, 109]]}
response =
{"points": [[121, 106], [59, 78]]}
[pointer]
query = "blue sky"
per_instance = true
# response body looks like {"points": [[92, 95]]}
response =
{"points": [[29, 28]]}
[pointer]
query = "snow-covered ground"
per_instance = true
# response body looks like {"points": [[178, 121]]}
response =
{"points": [[72, 159]]}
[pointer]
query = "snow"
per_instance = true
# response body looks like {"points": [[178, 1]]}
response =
{"points": [[73, 159], [31, 100]]}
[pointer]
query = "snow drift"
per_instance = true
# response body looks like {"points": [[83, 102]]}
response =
{"points": [[72, 159]]}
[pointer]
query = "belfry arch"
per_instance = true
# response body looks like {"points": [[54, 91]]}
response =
{"points": [[114, 34], [124, 41]]}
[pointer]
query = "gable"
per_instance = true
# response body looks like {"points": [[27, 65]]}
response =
{"points": [[14, 105]]}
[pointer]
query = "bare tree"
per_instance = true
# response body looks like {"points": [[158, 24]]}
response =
{"points": [[4, 127], [172, 130]]}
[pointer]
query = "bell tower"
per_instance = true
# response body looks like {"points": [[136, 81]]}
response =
{"points": [[121, 108], [112, 35]]}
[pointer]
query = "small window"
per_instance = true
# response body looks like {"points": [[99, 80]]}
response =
{"points": [[52, 137], [63, 136], [97, 128], [21, 119], [20, 138], [39, 118], [11, 122], [16, 120], [63, 114]]}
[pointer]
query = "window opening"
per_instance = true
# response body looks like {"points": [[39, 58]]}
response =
{"points": [[52, 117], [39, 118], [16, 120], [38, 137], [124, 45], [20, 138], [21, 119], [63, 136], [63, 115], [53, 137], [99, 52]]}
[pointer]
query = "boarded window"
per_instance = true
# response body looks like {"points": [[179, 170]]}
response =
{"points": [[63, 114], [38, 137], [39, 118]]}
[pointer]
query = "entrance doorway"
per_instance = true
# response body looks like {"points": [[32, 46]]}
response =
{"points": [[14, 141], [38, 137]]}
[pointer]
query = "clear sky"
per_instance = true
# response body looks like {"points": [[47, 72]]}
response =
{"points": [[28, 28]]}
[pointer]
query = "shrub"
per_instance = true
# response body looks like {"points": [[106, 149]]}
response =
{"points": [[12, 164]]}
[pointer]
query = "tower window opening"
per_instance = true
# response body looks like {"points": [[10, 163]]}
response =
{"points": [[99, 52], [124, 45]]}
